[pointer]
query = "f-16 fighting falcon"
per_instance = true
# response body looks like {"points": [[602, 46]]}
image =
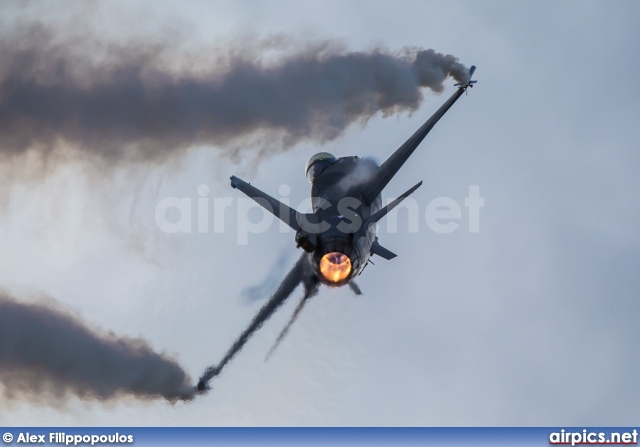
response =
{"points": [[339, 236]]}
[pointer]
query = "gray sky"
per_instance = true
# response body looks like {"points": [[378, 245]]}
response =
{"points": [[531, 321]]}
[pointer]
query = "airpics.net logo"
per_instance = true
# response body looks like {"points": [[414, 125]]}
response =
{"points": [[205, 214], [592, 437]]}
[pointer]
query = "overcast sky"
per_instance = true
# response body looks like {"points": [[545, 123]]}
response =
{"points": [[530, 321]]}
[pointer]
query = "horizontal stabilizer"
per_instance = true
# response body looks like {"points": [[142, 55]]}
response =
{"points": [[283, 212], [308, 222], [383, 211], [379, 250]]}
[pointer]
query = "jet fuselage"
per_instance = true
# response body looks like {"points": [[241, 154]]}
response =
{"points": [[337, 201]]}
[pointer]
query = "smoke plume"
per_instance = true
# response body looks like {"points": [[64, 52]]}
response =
{"points": [[259, 292], [145, 101], [299, 274], [46, 353]]}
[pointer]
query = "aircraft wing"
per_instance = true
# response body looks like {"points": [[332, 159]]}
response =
{"points": [[389, 168], [296, 276], [377, 249], [283, 212], [384, 211]]}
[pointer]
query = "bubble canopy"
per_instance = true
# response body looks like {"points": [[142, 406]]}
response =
{"points": [[318, 163]]}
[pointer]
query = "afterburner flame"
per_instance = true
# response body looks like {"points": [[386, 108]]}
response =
{"points": [[335, 266]]}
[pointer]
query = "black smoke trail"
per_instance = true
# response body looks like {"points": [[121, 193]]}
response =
{"points": [[262, 290], [126, 102], [48, 354], [143, 102], [298, 274]]}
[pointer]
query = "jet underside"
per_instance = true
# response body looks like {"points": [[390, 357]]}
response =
{"points": [[339, 236]]}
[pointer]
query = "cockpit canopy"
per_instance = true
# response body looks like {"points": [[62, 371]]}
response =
{"points": [[318, 163]]}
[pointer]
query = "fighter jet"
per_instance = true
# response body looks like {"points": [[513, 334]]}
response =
{"points": [[339, 237]]}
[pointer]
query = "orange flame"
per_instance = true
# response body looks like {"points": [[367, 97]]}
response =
{"points": [[335, 266]]}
